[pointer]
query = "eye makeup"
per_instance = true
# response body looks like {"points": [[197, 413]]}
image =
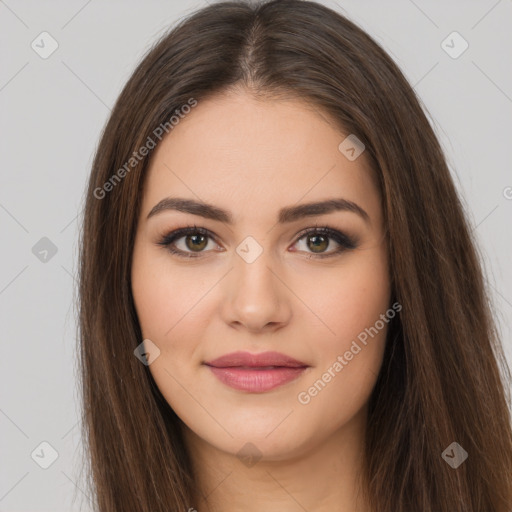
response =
{"points": [[320, 234]]}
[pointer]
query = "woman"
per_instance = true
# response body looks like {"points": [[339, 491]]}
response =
{"points": [[281, 304]]}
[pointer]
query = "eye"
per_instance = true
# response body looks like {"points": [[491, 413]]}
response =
{"points": [[318, 240], [196, 239]]}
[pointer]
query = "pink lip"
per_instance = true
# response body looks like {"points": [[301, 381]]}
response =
{"points": [[250, 372]]}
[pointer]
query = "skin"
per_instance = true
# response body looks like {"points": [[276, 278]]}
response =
{"points": [[253, 157]]}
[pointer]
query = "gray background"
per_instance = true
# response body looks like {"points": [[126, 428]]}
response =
{"points": [[52, 113]]}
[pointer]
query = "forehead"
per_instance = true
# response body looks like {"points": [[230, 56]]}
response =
{"points": [[243, 153]]}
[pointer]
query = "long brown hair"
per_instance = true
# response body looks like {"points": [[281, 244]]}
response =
{"points": [[444, 377]]}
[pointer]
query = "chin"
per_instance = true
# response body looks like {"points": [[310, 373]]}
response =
{"points": [[255, 441]]}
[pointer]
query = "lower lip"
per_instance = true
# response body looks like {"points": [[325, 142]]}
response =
{"points": [[255, 380]]}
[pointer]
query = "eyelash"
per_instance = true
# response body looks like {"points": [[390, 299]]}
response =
{"points": [[345, 242]]}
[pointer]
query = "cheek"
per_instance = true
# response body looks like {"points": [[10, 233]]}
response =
{"points": [[346, 300], [166, 299], [339, 390], [172, 316], [351, 350]]}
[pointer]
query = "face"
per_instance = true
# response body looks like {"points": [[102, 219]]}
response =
{"points": [[258, 272]]}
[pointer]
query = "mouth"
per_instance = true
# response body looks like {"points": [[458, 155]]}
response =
{"points": [[256, 373]]}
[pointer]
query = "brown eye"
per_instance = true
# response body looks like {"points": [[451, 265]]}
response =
{"points": [[196, 242], [318, 243], [325, 242], [192, 242], [189, 242]]}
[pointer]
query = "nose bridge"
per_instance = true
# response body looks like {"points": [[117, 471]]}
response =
{"points": [[256, 297], [252, 272]]}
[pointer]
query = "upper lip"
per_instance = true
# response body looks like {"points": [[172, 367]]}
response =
{"points": [[255, 360]]}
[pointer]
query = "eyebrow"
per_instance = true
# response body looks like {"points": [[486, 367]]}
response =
{"points": [[286, 215]]}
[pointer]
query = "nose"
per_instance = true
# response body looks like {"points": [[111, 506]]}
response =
{"points": [[256, 296]]}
